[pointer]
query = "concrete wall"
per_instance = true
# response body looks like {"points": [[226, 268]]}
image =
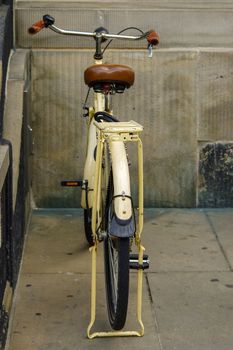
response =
{"points": [[15, 203], [181, 23], [183, 96], [17, 84]]}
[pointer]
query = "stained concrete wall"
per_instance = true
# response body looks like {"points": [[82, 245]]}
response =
{"points": [[215, 130], [183, 96]]}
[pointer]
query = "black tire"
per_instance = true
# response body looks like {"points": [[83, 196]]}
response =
{"points": [[117, 293], [87, 226]]}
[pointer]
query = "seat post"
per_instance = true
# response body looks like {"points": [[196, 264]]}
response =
{"points": [[108, 105]]}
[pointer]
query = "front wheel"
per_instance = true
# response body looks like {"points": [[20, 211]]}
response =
{"points": [[87, 226], [116, 258]]}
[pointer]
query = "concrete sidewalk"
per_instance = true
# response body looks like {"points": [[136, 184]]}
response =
{"points": [[188, 290]]}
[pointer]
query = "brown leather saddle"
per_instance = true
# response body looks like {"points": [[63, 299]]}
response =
{"points": [[119, 76]]}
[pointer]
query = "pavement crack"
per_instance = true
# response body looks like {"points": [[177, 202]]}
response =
{"points": [[218, 240], [156, 325]]}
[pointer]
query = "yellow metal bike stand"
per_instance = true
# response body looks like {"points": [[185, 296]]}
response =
{"points": [[138, 333]]}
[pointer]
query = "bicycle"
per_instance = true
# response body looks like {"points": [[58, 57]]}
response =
{"points": [[109, 212]]}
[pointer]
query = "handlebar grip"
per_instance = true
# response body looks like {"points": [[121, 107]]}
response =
{"points": [[36, 27], [153, 38], [43, 23]]}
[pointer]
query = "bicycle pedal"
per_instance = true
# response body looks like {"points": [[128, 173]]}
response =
{"points": [[73, 183], [134, 264]]}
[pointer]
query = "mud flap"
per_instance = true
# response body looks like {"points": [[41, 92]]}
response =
{"points": [[121, 228]]}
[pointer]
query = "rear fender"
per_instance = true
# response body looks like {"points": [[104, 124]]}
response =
{"points": [[121, 224]]}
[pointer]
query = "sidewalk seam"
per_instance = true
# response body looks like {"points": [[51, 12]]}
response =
{"points": [[218, 240], [154, 312]]}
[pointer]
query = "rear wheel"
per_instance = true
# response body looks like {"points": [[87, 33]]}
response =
{"points": [[117, 279], [116, 259]]}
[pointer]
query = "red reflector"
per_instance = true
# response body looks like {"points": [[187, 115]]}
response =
{"points": [[71, 183]]}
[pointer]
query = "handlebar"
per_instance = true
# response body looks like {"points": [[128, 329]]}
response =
{"points": [[48, 22]]}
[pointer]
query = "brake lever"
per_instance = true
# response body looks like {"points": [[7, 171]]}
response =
{"points": [[150, 50], [152, 39]]}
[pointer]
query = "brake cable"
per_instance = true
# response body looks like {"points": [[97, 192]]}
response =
{"points": [[123, 30]]}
